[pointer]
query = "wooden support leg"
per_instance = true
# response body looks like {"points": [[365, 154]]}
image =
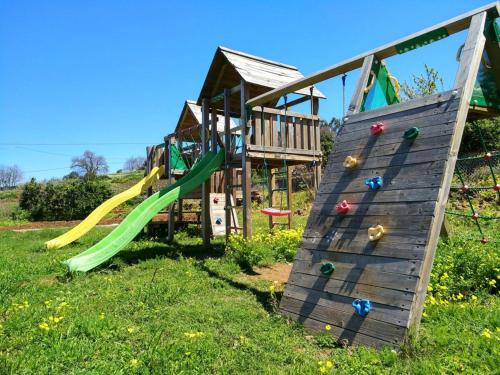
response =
{"points": [[179, 210], [445, 233], [171, 222], [271, 183], [289, 171], [246, 178]]}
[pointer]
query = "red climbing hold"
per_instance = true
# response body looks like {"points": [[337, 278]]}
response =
{"points": [[377, 128], [496, 187], [216, 200], [465, 189], [484, 240], [487, 156], [475, 216], [342, 207]]}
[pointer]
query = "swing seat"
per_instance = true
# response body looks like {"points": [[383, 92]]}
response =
{"points": [[275, 212]]}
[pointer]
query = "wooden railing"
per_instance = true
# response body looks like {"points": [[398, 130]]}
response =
{"points": [[275, 130]]}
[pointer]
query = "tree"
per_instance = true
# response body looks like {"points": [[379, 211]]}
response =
{"points": [[328, 133], [427, 83], [89, 164], [10, 176], [134, 163]]}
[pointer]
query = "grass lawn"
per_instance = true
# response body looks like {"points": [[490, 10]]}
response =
{"points": [[179, 309]]}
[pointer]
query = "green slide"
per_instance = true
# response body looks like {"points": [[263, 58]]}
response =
{"points": [[143, 213]]}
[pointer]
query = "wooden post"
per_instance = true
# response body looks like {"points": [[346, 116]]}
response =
{"points": [[464, 84], [271, 184], [227, 168], [359, 92], [171, 212], [289, 182], [316, 141], [205, 189], [246, 176]]}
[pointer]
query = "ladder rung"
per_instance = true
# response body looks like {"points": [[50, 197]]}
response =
{"points": [[233, 186], [280, 189], [229, 207], [237, 228]]}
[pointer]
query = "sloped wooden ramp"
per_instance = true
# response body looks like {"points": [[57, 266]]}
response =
{"points": [[387, 272]]}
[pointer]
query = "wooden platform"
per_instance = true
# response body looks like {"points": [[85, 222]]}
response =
{"points": [[389, 272]]}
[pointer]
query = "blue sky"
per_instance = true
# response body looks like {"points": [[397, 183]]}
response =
{"points": [[111, 76]]}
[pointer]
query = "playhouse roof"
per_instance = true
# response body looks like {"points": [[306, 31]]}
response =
{"points": [[191, 116], [229, 67]]}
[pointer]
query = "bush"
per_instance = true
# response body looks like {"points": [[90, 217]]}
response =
{"points": [[490, 130], [64, 200], [462, 268], [264, 248]]}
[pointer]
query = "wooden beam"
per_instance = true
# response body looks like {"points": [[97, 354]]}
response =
{"points": [[227, 162], [464, 84], [281, 112], [452, 25], [246, 167], [303, 99], [359, 92], [205, 189]]}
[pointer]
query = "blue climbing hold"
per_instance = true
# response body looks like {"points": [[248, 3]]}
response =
{"points": [[374, 182], [362, 306], [218, 221]]}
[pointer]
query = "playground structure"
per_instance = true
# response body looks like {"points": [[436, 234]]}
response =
{"points": [[367, 251], [272, 139]]}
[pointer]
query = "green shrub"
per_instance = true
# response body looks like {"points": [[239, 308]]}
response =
{"points": [[490, 130], [264, 248], [464, 267], [69, 199]]}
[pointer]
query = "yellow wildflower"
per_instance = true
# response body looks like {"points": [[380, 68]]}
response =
{"points": [[134, 362], [320, 363], [492, 282], [473, 298], [486, 333], [329, 364], [130, 330], [497, 329], [460, 296], [424, 314], [101, 316], [44, 326], [322, 370], [272, 288], [430, 288], [328, 327]]}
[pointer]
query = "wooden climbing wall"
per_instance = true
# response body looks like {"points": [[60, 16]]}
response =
{"points": [[393, 272]]}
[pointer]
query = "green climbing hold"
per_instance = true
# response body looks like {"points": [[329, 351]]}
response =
{"points": [[411, 133], [327, 268]]}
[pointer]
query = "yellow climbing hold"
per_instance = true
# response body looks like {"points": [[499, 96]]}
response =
{"points": [[350, 162], [375, 233]]}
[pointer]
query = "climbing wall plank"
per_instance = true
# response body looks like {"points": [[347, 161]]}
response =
{"points": [[386, 271]]}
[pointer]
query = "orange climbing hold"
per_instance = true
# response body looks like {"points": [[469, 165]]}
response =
{"points": [[350, 162], [375, 233]]}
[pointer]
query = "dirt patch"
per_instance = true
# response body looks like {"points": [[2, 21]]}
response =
{"points": [[277, 272], [53, 224]]}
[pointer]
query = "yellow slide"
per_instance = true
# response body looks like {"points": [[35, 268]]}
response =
{"points": [[101, 211]]}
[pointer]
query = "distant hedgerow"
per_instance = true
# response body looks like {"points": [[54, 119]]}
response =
{"points": [[69, 199]]}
